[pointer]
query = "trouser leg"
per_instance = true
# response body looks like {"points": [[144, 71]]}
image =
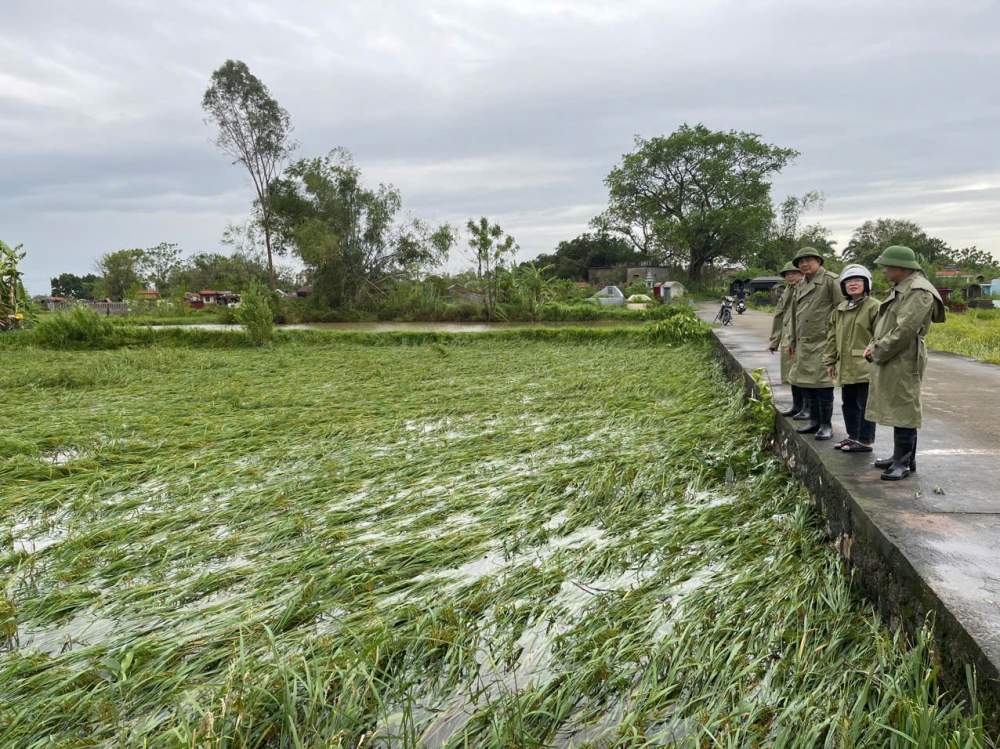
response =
{"points": [[866, 429], [812, 403], [852, 418]]}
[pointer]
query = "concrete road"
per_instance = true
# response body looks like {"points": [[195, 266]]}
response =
{"points": [[945, 519]]}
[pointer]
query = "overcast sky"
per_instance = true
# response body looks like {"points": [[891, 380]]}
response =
{"points": [[515, 109]]}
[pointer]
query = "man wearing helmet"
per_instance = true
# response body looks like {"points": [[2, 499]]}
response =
{"points": [[899, 355], [781, 332], [851, 327], [814, 301]]}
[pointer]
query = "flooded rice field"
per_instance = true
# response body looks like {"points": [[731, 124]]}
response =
{"points": [[492, 543]]}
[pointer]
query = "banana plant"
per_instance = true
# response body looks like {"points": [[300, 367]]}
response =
{"points": [[11, 288]]}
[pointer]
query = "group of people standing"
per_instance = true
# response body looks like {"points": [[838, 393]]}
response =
{"points": [[832, 332]]}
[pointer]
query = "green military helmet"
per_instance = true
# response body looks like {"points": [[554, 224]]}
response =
{"points": [[899, 256], [789, 268], [807, 252]]}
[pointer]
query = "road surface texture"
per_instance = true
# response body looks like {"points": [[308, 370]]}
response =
{"points": [[928, 545]]}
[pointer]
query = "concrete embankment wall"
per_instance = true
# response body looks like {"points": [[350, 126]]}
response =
{"points": [[872, 525]]}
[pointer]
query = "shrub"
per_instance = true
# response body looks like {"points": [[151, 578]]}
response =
{"points": [[683, 326], [81, 327], [255, 314]]}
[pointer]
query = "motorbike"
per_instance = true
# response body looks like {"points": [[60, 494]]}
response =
{"points": [[725, 315], [741, 306]]}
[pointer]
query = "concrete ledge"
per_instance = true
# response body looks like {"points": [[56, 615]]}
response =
{"points": [[890, 542]]}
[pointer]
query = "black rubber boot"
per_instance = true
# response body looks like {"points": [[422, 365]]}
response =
{"points": [[825, 420], [804, 414], [887, 462], [901, 456], [813, 405], [796, 402]]}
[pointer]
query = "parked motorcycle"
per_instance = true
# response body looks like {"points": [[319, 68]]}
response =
{"points": [[741, 306], [725, 315]]}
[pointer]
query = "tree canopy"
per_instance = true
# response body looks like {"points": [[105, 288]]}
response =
{"points": [[872, 237], [573, 258], [694, 197], [350, 237], [254, 130], [73, 286]]}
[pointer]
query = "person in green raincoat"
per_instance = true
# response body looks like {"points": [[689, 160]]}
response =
{"points": [[899, 355], [781, 331], [815, 299], [851, 327]]}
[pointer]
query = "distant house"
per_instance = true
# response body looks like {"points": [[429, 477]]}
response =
{"points": [[54, 301], [950, 271], [208, 296], [304, 291], [227, 297], [148, 295]]}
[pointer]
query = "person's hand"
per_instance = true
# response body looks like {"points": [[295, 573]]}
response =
{"points": [[771, 350], [868, 353], [832, 371]]}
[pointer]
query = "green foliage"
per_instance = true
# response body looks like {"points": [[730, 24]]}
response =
{"points": [[122, 274], [254, 130], [73, 286], [350, 237], [570, 535], [256, 315], [695, 197], [12, 295], [492, 250], [872, 237], [637, 287], [572, 259], [975, 334], [80, 327], [682, 325]]}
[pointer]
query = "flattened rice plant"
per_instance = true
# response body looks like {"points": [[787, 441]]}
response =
{"points": [[522, 540]]}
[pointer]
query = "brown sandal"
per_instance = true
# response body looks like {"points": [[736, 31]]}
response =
{"points": [[853, 446], [842, 444]]}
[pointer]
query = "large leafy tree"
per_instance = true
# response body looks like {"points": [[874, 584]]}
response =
{"points": [[254, 130], [122, 273], [574, 257], [787, 234], [74, 286], [872, 237], [351, 238], [694, 197]]}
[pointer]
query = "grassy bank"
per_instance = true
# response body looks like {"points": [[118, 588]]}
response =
{"points": [[975, 333], [514, 539]]}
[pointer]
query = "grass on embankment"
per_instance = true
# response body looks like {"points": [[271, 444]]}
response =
{"points": [[507, 540], [975, 333]]}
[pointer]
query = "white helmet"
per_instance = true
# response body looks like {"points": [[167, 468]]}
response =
{"points": [[855, 271]]}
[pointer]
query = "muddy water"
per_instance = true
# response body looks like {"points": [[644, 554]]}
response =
{"points": [[428, 327]]}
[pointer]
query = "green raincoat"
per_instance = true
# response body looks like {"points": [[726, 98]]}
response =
{"points": [[814, 301], [781, 330], [899, 353], [850, 333]]}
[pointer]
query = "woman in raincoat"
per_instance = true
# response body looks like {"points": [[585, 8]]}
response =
{"points": [[851, 327], [899, 355], [781, 332]]}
